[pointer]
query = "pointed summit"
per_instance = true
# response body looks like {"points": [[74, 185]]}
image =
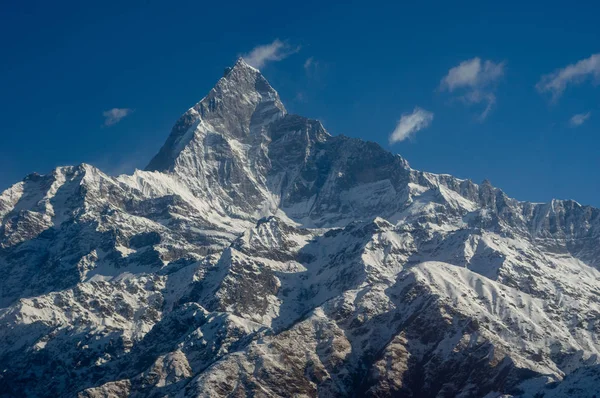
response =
{"points": [[241, 63], [241, 103]]}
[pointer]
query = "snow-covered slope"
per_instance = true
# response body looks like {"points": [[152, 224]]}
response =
{"points": [[257, 255]]}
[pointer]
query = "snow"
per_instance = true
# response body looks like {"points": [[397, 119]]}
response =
{"points": [[259, 251]]}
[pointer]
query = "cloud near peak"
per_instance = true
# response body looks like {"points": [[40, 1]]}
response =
{"points": [[114, 115], [276, 51], [410, 123], [556, 82], [476, 81]]}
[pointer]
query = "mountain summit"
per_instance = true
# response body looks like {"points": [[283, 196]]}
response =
{"points": [[239, 107], [257, 255]]}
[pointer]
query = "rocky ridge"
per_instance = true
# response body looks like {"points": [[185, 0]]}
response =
{"points": [[259, 255]]}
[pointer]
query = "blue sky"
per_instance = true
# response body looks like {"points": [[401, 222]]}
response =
{"points": [[103, 82]]}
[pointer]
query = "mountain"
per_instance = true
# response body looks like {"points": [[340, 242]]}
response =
{"points": [[257, 255]]}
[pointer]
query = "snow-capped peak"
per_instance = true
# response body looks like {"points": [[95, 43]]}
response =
{"points": [[258, 255], [241, 63], [241, 103]]}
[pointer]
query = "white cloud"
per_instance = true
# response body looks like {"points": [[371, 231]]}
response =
{"points": [[115, 115], [313, 68], [557, 81], [476, 80], [410, 123], [276, 51], [472, 74], [579, 119], [308, 63], [476, 97]]}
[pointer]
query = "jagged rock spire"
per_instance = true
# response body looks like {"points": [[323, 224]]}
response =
{"points": [[241, 102]]}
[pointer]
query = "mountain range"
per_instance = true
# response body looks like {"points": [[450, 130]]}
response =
{"points": [[259, 256]]}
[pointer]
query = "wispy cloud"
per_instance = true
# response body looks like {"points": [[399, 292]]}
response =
{"points": [[578, 119], [410, 123], [315, 69], [476, 80], [308, 63], [557, 81], [276, 51], [114, 115]]}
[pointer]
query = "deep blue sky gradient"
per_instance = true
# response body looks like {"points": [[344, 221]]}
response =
{"points": [[64, 63]]}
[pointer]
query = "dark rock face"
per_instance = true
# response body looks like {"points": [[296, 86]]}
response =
{"points": [[258, 255], [144, 239]]}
